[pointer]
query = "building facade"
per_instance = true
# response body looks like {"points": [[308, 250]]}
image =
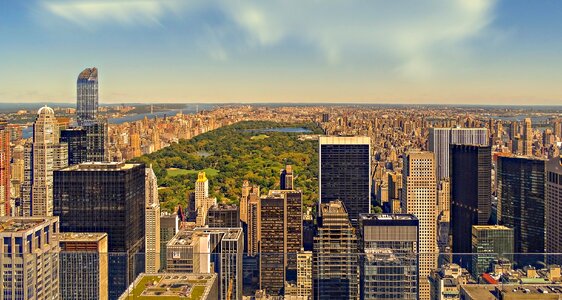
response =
{"points": [[490, 242], [521, 204], [87, 96], [106, 197], [345, 173], [77, 142], [152, 223], [554, 210], [83, 265], [223, 215], [5, 173], [168, 229]]}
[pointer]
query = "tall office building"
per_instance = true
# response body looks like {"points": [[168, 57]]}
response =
{"points": [[335, 271], [527, 137], [471, 195], [521, 197], [168, 229], [440, 140], [210, 250], [202, 200], [280, 238], [419, 197], [345, 173], [554, 210], [5, 173], [30, 258], [97, 140], [223, 216], [271, 244], [152, 223], [490, 242], [286, 178], [388, 245], [106, 197], [46, 155], [83, 265], [304, 274], [254, 223], [77, 142], [87, 96]]}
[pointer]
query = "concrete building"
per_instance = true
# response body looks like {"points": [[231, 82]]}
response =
{"points": [[511, 292], [152, 223], [83, 266], [335, 270], [419, 197], [286, 178], [202, 200], [304, 274], [527, 137], [447, 280], [5, 182], [168, 229], [30, 258], [345, 173]]}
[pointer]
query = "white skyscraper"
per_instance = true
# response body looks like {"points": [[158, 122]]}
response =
{"points": [[440, 139], [47, 155], [419, 197], [202, 199], [152, 224]]}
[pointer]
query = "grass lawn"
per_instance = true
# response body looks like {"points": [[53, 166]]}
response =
{"points": [[196, 293], [259, 137], [175, 172]]}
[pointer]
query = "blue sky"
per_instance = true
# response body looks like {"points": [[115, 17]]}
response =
{"points": [[372, 51]]}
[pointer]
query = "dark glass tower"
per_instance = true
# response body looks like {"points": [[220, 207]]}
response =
{"points": [[271, 245], [471, 193], [223, 216], [521, 206], [77, 145], [97, 135], [345, 173], [109, 197], [87, 96]]}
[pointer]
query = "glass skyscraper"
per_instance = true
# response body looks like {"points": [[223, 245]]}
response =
{"points": [[345, 173], [106, 197], [87, 96]]}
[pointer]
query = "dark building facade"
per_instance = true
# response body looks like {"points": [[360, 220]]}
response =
{"points": [[345, 173], [271, 245], [286, 178], [106, 197], [223, 216], [97, 135], [471, 193], [335, 270], [77, 145], [87, 95], [389, 256], [521, 204]]}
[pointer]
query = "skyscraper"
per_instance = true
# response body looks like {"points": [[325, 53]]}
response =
{"points": [[286, 178], [553, 210], [77, 142], [271, 244], [223, 216], [388, 245], [527, 137], [30, 258], [335, 271], [345, 173], [521, 196], [471, 194], [106, 197], [304, 274], [152, 223], [419, 197], [83, 265], [254, 223], [87, 96], [168, 229], [47, 154], [202, 200], [490, 242], [97, 140], [4, 169], [440, 139]]}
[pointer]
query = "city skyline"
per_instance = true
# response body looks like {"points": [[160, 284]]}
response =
{"points": [[469, 52]]}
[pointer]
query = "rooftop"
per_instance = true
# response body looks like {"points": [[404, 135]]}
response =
{"points": [[81, 236], [385, 217], [171, 286], [21, 224], [489, 291], [100, 166], [345, 140], [490, 227], [89, 74]]}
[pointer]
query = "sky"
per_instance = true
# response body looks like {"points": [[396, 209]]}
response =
{"points": [[313, 51]]}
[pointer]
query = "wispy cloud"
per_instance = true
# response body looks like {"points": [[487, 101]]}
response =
{"points": [[411, 34]]}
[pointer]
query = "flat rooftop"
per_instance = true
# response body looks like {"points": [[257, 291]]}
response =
{"points": [[100, 166], [171, 286], [490, 227], [21, 224], [80, 236], [489, 291], [182, 238], [345, 140], [387, 217]]}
